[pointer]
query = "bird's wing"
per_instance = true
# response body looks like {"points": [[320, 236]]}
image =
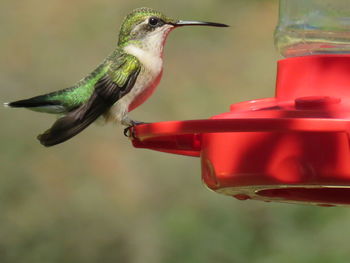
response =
{"points": [[112, 86]]}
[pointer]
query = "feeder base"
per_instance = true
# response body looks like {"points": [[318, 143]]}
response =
{"points": [[319, 195]]}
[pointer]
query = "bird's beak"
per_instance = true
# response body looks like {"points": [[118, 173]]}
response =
{"points": [[197, 23]]}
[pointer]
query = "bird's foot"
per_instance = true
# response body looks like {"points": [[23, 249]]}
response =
{"points": [[128, 131]]}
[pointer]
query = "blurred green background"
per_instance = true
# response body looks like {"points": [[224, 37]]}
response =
{"points": [[97, 199]]}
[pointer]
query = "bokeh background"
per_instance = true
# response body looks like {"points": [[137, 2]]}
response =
{"points": [[97, 199]]}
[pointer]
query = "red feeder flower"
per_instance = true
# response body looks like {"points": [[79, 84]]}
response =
{"points": [[294, 147]]}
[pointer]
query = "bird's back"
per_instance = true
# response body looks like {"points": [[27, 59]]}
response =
{"points": [[65, 100], [81, 92]]}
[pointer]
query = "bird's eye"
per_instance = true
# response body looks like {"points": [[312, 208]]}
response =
{"points": [[153, 21]]}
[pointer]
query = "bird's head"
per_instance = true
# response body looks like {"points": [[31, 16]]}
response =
{"points": [[148, 27]]}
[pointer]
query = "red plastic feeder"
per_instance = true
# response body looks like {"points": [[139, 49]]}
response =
{"points": [[291, 148]]}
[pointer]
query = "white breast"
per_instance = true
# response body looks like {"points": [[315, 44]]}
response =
{"points": [[145, 84]]}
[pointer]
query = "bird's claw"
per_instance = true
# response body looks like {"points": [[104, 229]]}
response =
{"points": [[129, 131]]}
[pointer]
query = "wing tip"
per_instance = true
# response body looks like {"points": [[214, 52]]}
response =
{"points": [[43, 139], [46, 139]]}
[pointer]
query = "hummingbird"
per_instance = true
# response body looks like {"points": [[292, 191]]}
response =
{"points": [[122, 82]]}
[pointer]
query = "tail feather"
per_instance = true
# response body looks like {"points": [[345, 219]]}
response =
{"points": [[39, 103]]}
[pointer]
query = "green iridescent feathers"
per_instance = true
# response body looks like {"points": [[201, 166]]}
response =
{"points": [[135, 17], [117, 66], [121, 67], [78, 94]]}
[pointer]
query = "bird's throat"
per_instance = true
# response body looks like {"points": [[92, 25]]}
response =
{"points": [[152, 61]]}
